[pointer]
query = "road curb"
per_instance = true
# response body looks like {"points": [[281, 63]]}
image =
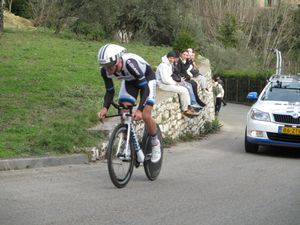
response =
{"points": [[36, 162]]}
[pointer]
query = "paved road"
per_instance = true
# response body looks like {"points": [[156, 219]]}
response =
{"points": [[207, 182]]}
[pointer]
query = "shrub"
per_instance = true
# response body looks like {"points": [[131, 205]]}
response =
{"points": [[246, 73], [211, 127], [230, 58], [91, 31], [183, 41]]}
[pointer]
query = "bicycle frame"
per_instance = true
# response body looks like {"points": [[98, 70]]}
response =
{"points": [[126, 118]]}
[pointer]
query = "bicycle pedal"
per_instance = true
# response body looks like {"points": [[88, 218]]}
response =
{"points": [[137, 164], [124, 158], [148, 157]]}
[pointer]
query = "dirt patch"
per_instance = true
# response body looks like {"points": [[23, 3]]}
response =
{"points": [[11, 20]]}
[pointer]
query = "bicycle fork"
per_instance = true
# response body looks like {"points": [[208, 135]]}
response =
{"points": [[130, 131], [138, 151]]}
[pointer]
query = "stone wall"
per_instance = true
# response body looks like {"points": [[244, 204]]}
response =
{"points": [[167, 112]]}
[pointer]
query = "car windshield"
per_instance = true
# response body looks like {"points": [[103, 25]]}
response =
{"points": [[289, 93]]}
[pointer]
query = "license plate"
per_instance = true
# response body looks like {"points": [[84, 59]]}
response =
{"points": [[289, 130]]}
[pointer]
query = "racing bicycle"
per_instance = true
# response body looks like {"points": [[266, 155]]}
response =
{"points": [[124, 152]]}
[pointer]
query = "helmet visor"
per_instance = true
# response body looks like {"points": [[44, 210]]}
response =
{"points": [[110, 67], [106, 64]]}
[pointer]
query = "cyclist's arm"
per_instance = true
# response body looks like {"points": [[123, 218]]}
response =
{"points": [[110, 90], [141, 81]]}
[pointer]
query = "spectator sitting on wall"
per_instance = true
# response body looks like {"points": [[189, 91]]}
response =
{"points": [[184, 64], [176, 76], [165, 82], [194, 72]]}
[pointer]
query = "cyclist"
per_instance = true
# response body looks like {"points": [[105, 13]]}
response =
{"points": [[137, 77]]}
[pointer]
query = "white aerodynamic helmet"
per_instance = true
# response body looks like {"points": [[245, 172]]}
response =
{"points": [[109, 54]]}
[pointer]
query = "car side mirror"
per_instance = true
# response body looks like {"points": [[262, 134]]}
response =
{"points": [[252, 96]]}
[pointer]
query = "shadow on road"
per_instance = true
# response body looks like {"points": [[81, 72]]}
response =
{"points": [[282, 152]]}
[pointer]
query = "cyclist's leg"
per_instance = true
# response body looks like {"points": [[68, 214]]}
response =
{"points": [[150, 122], [127, 95], [148, 106]]}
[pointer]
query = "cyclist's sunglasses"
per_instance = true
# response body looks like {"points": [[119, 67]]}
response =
{"points": [[109, 65]]}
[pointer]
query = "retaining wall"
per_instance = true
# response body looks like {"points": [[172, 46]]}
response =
{"points": [[167, 114]]}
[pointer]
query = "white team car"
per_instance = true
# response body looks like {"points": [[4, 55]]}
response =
{"points": [[275, 118]]}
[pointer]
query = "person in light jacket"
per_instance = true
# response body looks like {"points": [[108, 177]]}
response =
{"points": [[165, 82], [219, 93]]}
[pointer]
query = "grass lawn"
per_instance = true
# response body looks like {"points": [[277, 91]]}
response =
{"points": [[50, 92]]}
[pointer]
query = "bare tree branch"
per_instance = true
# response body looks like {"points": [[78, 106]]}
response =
{"points": [[1, 15]]}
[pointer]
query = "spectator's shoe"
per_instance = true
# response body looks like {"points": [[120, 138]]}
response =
{"points": [[190, 112], [156, 153], [224, 104], [195, 113], [196, 107]]}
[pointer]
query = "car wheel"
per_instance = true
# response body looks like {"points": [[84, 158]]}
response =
{"points": [[250, 147]]}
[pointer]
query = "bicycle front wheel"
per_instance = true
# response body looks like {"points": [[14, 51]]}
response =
{"points": [[119, 160], [152, 170]]}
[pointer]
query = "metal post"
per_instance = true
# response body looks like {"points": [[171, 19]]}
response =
{"points": [[278, 61]]}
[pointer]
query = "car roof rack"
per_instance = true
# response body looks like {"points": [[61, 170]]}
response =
{"points": [[284, 78], [278, 77]]}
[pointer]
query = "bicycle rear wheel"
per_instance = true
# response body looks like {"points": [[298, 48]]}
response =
{"points": [[120, 164], [152, 170]]}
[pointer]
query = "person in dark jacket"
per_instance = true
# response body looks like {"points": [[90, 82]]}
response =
{"points": [[182, 67]]}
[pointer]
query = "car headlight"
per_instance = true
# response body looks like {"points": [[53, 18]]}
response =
{"points": [[260, 115]]}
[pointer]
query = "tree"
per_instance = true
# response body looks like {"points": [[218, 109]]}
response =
{"points": [[41, 11], [274, 28], [1, 15], [160, 20], [259, 28], [214, 12], [65, 9], [9, 2], [104, 12], [20, 8], [227, 32]]}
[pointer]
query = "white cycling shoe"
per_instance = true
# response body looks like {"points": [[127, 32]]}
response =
{"points": [[156, 153]]}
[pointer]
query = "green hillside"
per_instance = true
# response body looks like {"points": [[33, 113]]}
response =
{"points": [[50, 92]]}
